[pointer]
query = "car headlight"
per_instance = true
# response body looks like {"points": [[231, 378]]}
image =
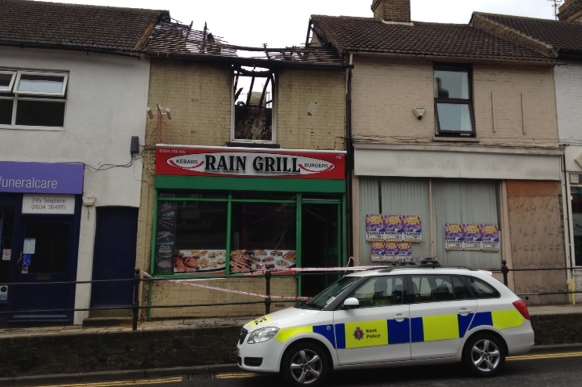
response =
{"points": [[263, 334]]}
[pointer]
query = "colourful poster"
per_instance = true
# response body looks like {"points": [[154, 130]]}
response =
{"points": [[374, 227], [471, 237], [392, 227], [405, 249], [384, 251], [412, 228], [491, 237], [454, 237]]}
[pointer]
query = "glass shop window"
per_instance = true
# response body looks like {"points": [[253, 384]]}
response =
{"points": [[191, 237], [577, 223], [253, 105], [263, 237]]}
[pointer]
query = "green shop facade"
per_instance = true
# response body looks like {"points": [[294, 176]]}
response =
{"points": [[231, 211]]}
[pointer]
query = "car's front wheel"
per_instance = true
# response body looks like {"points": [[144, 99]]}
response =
{"points": [[484, 354], [305, 364]]}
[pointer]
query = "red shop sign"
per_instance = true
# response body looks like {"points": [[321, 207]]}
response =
{"points": [[240, 162]]}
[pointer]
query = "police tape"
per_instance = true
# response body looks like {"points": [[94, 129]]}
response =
{"points": [[292, 271], [192, 283]]}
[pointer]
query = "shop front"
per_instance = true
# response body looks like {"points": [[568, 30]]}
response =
{"points": [[40, 205], [240, 210]]}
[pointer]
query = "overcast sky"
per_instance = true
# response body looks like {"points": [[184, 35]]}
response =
{"points": [[284, 23]]}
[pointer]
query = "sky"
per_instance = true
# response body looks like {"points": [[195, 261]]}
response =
{"points": [[284, 23]]}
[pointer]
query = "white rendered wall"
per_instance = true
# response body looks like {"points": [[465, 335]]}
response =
{"points": [[106, 106]]}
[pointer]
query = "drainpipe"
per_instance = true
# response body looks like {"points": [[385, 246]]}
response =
{"points": [[568, 232], [350, 155]]}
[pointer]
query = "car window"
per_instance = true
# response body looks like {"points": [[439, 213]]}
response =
{"points": [[380, 291], [437, 288], [481, 289]]}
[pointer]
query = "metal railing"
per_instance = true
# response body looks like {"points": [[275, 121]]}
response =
{"points": [[140, 279]]}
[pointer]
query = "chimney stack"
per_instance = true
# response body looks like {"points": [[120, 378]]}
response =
{"points": [[392, 10], [571, 11]]}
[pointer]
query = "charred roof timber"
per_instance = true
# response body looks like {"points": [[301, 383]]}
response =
{"points": [[175, 40]]}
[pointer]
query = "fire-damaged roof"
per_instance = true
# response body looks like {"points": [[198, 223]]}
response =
{"points": [[71, 26], [563, 37], [175, 40], [419, 39]]}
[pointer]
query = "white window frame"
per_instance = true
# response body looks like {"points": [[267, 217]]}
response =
{"points": [[64, 76], [275, 98], [8, 89]]}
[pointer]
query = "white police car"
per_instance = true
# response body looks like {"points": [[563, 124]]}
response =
{"points": [[391, 317]]}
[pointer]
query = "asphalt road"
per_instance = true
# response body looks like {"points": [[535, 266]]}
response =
{"points": [[541, 369]]}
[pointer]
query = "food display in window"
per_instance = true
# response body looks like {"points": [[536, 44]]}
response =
{"points": [[244, 261], [195, 261]]}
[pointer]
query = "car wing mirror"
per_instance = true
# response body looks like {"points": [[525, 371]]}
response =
{"points": [[351, 303]]}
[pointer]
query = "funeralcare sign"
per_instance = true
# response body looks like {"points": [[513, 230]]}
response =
{"points": [[240, 162]]}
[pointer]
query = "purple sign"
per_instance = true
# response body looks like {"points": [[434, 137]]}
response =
{"points": [[43, 178]]}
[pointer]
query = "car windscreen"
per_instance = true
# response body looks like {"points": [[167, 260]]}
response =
{"points": [[328, 295]]}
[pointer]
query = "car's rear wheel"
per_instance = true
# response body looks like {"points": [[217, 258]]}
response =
{"points": [[484, 354], [305, 364]]}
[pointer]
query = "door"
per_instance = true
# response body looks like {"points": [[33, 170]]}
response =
{"points": [[45, 251], [378, 331], [7, 221], [441, 312], [114, 256], [321, 242]]}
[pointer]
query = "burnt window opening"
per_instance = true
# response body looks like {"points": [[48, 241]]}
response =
{"points": [[253, 104]]}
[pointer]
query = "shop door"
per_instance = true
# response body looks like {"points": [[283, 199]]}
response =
{"points": [[114, 258], [7, 221], [45, 252], [321, 242]]}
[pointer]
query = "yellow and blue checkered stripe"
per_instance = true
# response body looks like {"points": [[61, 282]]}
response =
{"points": [[366, 334]]}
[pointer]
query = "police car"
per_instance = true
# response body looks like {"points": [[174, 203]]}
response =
{"points": [[386, 317]]}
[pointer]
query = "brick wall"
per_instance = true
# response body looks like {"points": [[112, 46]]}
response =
{"points": [[309, 113], [513, 106], [392, 10]]}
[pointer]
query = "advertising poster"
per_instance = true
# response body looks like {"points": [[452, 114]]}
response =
{"points": [[454, 237], [471, 237], [491, 238], [374, 227], [392, 227], [412, 228], [198, 261], [246, 261], [379, 252], [405, 249], [391, 252], [166, 237]]}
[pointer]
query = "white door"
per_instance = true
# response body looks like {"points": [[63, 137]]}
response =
{"points": [[441, 314], [378, 331]]}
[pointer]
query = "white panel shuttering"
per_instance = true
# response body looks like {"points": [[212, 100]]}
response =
{"points": [[452, 202], [395, 197]]}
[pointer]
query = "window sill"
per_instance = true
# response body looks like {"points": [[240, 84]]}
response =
{"points": [[455, 139], [33, 128], [252, 145]]}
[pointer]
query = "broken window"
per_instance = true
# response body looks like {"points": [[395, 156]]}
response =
{"points": [[253, 104]]}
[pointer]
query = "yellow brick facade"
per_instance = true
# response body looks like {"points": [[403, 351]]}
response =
{"points": [[513, 105], [309, 113]]}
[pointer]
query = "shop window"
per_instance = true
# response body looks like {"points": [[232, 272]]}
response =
{"points": [[577, 223], [253, 105], [32, 99], [191, 237], [453, 101], [263, 237]]}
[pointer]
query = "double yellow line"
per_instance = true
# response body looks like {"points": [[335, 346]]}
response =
{"points": [[545, 356], [137, 382]]}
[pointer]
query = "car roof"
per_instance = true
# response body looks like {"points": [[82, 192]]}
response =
{"points": [[415, 270]]}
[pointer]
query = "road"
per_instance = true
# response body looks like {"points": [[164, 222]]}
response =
{"points": [[541, 369]]}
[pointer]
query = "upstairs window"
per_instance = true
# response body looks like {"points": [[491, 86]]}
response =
{"points": [[454, 101], [253, 105], [32, 98]]}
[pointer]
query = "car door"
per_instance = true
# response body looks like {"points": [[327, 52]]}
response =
{"points": [[441, 313], [378, 330]]}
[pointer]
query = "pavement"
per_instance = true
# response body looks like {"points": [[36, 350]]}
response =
{"points": [[556, 367]]}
